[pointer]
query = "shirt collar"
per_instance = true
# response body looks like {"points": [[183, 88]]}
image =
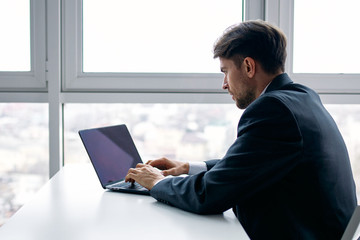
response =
{"points": [[265, 89]]}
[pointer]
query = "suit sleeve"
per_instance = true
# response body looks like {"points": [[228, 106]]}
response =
{"points": [[267, 148], [211, 163]]}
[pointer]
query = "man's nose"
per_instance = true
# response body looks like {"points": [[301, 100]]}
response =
{"points": [[225, 84]]}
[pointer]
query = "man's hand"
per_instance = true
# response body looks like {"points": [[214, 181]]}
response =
{"points": [[146, 175], [170, 167]]}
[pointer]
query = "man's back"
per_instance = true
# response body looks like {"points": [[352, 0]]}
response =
{"points": [[316, 196]]}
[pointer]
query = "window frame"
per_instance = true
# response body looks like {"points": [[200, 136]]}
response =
{"points": [[77, 81], [281, 13], [35, 79]]}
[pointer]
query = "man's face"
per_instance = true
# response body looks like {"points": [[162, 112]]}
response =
{"points": [[236, 81]]}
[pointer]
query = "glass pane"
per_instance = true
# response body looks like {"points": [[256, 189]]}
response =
{"points": [[192, 132], [154, 36], [326, 39], [15, 35], [24, 154]]}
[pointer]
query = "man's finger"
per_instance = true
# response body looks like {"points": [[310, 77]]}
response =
{"points": [[139, 165], [129, 177], [132, 173], [171, 171], [132, 170]]}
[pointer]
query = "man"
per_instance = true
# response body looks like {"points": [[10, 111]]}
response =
{"points": [[287, 175]]}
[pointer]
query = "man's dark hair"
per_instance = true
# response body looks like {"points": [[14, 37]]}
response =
{"points": [[257, 39]]}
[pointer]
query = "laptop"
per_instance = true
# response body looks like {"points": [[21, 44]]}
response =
{"points": [[112, 153]]}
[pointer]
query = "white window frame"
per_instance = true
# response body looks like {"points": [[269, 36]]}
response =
{"points": [[35, 79], [76, 80], [281, 13]]}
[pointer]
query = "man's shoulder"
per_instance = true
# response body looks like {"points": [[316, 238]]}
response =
{"points": [[269, 102], [270, 111], [289, 96]]}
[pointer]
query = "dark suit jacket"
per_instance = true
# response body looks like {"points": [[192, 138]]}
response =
{"points": [[286, 176]]}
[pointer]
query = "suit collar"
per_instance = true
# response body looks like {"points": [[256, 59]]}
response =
{"points": [[278, 82]]}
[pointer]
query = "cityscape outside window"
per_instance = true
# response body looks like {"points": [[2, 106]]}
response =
{"points": [[24, 154]]}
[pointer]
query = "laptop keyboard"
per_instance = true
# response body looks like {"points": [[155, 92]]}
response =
{"points": [[128, 185]]}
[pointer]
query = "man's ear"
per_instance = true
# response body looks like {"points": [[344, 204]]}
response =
{"points": [[250, 66]]}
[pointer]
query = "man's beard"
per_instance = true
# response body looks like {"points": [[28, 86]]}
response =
{"points": [[245, 101]]}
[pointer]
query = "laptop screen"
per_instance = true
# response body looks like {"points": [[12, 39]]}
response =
{"points": [[111, 151]]}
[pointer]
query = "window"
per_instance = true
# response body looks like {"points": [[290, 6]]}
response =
{"points": [[24, 157], [22, 45], [321, 38], [62, 41], [155, 46], [123, 36], [325, 36], [15, 40]]}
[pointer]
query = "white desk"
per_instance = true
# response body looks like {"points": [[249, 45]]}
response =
{"points": [[64, 210]]}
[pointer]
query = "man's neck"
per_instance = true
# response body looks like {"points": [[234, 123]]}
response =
{"points": [[266, 79]]}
